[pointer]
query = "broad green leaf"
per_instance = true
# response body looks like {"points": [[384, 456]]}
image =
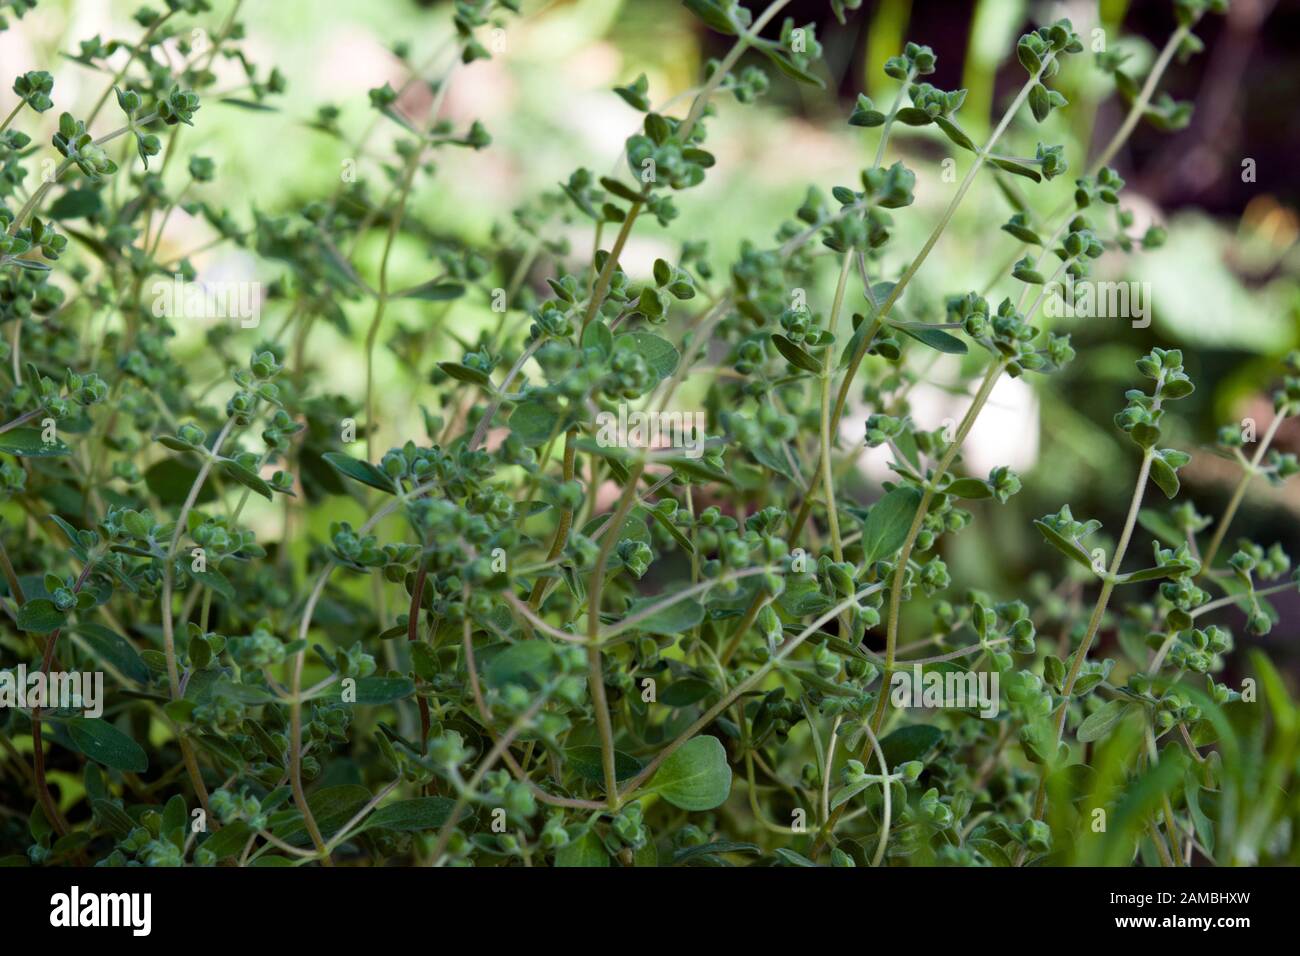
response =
{"points": [[676, 618], [409, 816], [229, 840], [383, 690], [28, 443], [971, 488], [115, 650], [102, 742], [40, 616], [586, 762], [533, 422], [1164, 476], [171, 481], [909, 743], [527, 663], [888, 522], [684, 692], [585, 851], [695, 776], [660, 354], [216, 581]]}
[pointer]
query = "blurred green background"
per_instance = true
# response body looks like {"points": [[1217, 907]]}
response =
{"points": [[1224, 287]]}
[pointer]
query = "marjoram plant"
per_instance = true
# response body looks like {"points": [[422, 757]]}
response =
{"points": [[462, 649]]}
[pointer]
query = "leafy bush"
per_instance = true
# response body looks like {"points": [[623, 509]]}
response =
{"points": [[492, 665]]}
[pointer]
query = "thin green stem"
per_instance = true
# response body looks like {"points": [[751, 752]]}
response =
{"points": [[1239, 493]]}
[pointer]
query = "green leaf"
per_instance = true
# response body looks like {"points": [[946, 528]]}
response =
{"points": [[527, 663], [954, 133], [888, 522], [28, 443], [383, 690], [586, 763], [229, 840], [676, 618], [358, 470], [1019, 169], [215, 581], [331, 806], [912, 116], [112, 817], [102, 742], [76, 204], [846, 793], [1151, 574], [1101, 721], [463, 373], [1164, 476], [909, 743], [115, 650], [171, 481], [1039, 102], [245, 477], [660, 354], [929, 335], [1064, 544], [793, 858], [971, 488], [533, 422], [795, 355], [790, 68], [598, 336], [712, 14], [410, 816], [435, 291], [684, 692], [585, 851], [695, 776], [1161, 527], [1204, 828], [40, 616]]}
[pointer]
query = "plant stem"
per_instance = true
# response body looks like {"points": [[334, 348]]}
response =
{"points": [[566, 520], [741, 688], [832, 321], [896, 583], [1098, 611], [12, 113], [1239, 492], [904, 555], [855, 362], [1143, 99]]}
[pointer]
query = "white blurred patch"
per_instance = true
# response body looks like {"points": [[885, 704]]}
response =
{"points": [[1006, 432]]}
